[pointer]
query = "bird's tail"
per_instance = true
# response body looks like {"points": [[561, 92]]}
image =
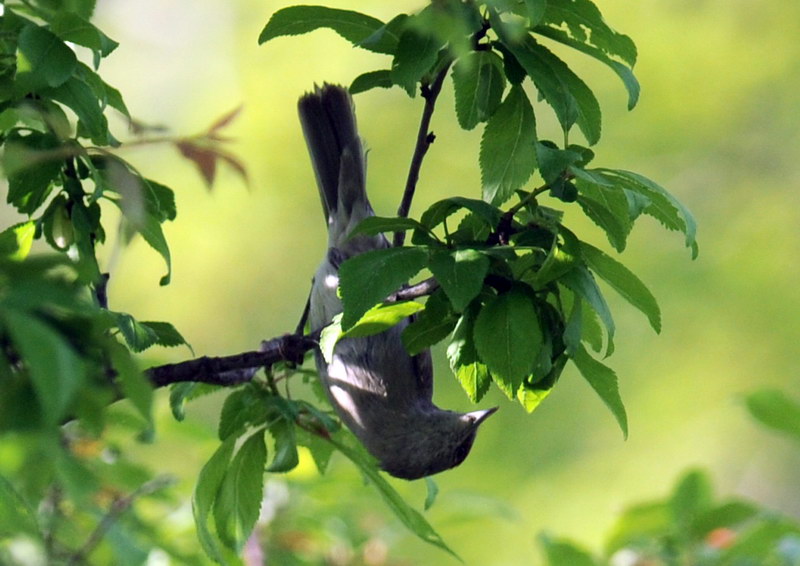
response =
{"points": [[337, 155]]}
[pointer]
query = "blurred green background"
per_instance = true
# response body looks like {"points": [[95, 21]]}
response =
{"points": [[718, 124]]}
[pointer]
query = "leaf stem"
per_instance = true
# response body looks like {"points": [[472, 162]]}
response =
{"points": [[425, 137]]}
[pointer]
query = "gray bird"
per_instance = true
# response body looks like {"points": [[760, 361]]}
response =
{"points": [[380, 392]]}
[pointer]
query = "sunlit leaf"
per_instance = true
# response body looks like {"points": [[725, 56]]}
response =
{"points": [[604, 381]]}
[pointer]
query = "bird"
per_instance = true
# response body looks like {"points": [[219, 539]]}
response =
{"points": [[380, 392]]}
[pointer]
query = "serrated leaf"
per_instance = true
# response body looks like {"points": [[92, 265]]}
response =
{"points": [[409, 516], [43, 60], [56, 370], [242, 408], [238, 499], [386, 38], [478, 82], [508, 151], [585, 24], [460, 273], [368, 278], [624, 72], [776, 410], [286, 457], [295, 20], [205, 494], [69, 26], [137, 336], [382, 317], [165, 334], [430, 326], [624, 282], [508, 338], [29, 171], [373, 79], [604, 381], [76, 94], [440, 210], [415, 56], [664, 207], [581, 282]]}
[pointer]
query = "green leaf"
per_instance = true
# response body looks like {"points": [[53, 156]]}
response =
{"points": [[776, 410], [165, 334], [56, 370], [460, 273], [624, 282], [640, 522], [508, 338], [69, 26], [295, 20], [415, 56], [508, 150], [440, 210], [43, 60], [585, 24], [134, 384], [138, 336], [559, 261], [370, 80], [286, 457], [432, 491], [238, 499], [368, 278], [208, 486], [479, 83], [604, 381], [531, 396], [536, 10], [581, 282], [615, 226], [563, 553], [242, 408], [624, 72], [31, 168], [691, 499], [149, 226], [185, 391], [469, 370], [373, 225], [386, 38], [431, 325], [79, 96], [409, 516], [664, 207], [382, 317], [16, 240]]}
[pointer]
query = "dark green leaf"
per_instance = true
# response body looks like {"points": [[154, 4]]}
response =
{"points": [[386, 38], [238, 499], [430, 326], [640, 522], [31, 167], [185, 391], [585, 24], [370, 277], [479, 83], [460, 273], [77, 94], [165, 334], [55, 368], [440, 210], [604, 381], [776, 410], [624, 282], [409, 516], [726, 515], [43, 60], [295, 20], [581, 282], [133, 383], [373, 225], [16, 514], [692, 498], [623, 71], [508, 338], [138, 336], [370, 80], [563, 553], [208, 486], [561, 258], [161, 199], [242, 408], [508, 150], [415, 56], [149, 226], [286, 457], [71, 27]]}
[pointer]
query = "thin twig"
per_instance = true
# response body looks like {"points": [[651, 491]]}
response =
{"points": [[424, 139]]}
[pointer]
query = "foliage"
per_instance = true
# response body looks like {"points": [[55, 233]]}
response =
{"points": [[691, 526], [516, 294]]}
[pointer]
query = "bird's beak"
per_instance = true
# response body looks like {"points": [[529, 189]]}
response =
{"points": [[477, 417]]}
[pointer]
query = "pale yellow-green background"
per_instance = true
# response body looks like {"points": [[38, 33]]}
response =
{"points": [[718, 125]]}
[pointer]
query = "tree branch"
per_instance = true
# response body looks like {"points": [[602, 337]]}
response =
{"points": [[424, 140], [237, 369]]}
